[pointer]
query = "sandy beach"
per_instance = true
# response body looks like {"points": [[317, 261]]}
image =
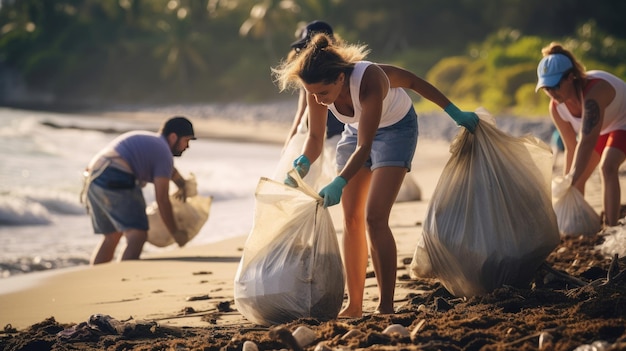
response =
{"points": [[184, 298]]}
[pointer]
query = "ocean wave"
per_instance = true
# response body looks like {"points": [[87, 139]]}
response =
{"points": [[20, 211], [34, 207], [56, 202]]}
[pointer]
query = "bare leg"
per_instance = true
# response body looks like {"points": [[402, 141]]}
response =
{"points": [[105, 251], [354, 241], [385, 184], [135, 239], [612, 158]]}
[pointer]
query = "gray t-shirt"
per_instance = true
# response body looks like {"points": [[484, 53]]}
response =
{"points": [[148, 154]]}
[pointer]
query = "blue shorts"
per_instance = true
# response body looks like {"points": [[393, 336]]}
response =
{"points": [[393, 146], [116, 202]]}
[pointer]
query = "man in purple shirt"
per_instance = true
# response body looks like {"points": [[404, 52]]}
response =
{"points": [[115, 177]]}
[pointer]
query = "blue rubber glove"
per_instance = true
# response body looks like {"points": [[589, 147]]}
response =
{"points": [[468, 120], [301, 165], [332, 192]]}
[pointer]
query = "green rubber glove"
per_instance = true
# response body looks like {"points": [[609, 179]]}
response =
{"points": [[302, 166], [332, 192], [468, 120]]}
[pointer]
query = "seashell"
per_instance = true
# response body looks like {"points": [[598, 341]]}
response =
{"points": [[304, 336], [249, 346], [544, 339], [396, 329]]}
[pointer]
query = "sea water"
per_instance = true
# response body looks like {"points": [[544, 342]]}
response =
{"points": [[43, 225]]}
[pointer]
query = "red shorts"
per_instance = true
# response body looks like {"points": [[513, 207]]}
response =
{"points": [[616, 139]]}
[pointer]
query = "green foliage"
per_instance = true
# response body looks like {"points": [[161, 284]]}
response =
{"points": [[500, 72], [478, 52], [447, 72], [529, 103]]}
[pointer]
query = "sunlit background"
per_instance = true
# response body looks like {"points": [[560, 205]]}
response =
{"points": [[100, 53]]}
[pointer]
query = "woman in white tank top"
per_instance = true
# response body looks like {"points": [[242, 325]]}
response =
{"points": [[589, 111], [374, 154]]}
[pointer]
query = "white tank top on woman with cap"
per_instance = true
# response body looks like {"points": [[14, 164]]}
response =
{"points": [[614, 114], [395, 105]]}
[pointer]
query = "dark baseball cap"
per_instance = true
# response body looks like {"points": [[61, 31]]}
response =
{"points": [[181, 126], [309, 31]]}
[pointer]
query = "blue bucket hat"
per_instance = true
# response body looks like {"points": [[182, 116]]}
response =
{"points": [[551, 69]]}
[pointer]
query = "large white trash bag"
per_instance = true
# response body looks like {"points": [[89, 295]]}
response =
{"points": [[190, 215], [291, 264], [490, 221], [573, 213]]}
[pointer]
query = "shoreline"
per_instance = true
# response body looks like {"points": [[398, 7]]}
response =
{"points": [[269, 121]]}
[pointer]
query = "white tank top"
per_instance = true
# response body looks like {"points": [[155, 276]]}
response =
{"points": [[614, 114], [395, 105]]}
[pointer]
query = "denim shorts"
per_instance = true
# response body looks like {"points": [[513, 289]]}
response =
{"points": [[393, 146], [115, 204]]}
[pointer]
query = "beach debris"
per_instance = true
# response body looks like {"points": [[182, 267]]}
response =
{"points": [[595, 346], [210, 318], [322, 346], [286, 337], [543, 336], [562, 276], [352, 333], [249, 346], [197, 297], [415, 332], [613, 268], [202, 273], [8, 329], [442, 305], [224, 306], [187, 310], [545, 340], [398, 329], [103, 324], [614, 239], [304, 336]]}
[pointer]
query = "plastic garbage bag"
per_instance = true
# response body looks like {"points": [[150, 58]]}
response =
{"points": [[190, 215], [321, 171], [490, 220], [291, 265], [614, 240], [573, 213], [420, 264]]}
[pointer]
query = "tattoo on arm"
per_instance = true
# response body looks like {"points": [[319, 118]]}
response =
{"points": [[592, 116]]}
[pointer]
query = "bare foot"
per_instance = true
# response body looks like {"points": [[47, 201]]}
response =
{"points": [[384, 311], [350, 313]]}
